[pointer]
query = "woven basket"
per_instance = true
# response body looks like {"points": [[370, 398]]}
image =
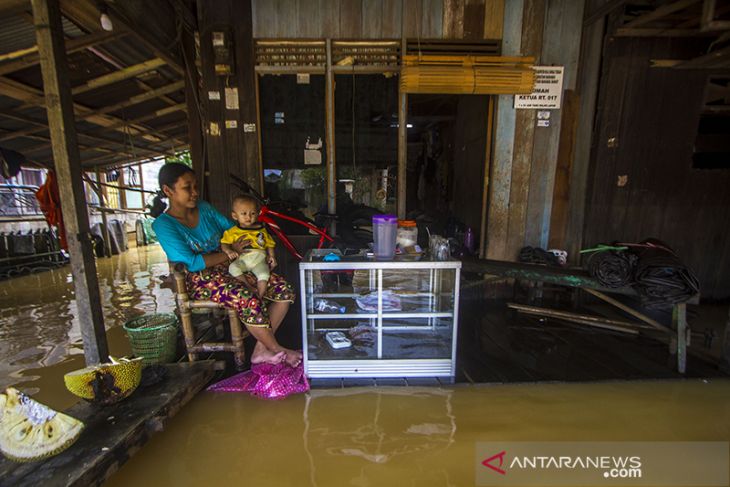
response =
{"points": [[153, 337]]}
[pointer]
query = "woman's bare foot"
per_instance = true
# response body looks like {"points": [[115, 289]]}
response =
{"points": [[293, 357], [262, 355]]}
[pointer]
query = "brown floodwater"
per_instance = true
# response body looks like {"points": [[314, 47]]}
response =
{"points": [[410, 436], [378, 436], [40, 338]]}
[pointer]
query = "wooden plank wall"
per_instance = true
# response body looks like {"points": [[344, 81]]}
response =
{"points": [[228, 148], [378, 19], [526, 157], [652, 115]]}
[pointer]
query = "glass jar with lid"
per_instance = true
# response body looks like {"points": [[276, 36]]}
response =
{"points": [[407, 234]]}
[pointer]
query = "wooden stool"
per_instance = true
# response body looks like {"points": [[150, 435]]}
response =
{"points": [[185, 306]]}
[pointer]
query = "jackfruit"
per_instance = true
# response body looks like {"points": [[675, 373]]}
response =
{"points": [[31, 431], [106, 383]]}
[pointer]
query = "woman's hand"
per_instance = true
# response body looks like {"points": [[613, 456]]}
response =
{"points": [[271, 260], [241, 244], [232, 254]]}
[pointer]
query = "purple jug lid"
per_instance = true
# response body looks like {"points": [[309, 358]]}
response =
{"points": [[385, 219]]}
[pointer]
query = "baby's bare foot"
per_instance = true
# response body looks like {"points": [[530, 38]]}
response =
{"points": [[267, 356]]}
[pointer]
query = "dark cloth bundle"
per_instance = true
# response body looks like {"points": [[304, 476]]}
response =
{"points": [[661, 278], [612, 268], [536, 255]]}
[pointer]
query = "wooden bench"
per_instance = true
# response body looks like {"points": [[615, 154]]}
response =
{"points": [[678, 333]]}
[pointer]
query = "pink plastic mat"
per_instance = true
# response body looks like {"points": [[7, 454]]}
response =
{"points": [[267, 381]]}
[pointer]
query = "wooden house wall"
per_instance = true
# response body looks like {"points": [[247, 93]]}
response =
{"points": [[525, 157], [378, 19], [652, 114]]}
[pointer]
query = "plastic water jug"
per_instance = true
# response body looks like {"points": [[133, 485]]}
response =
{"points": [[385, 228]]}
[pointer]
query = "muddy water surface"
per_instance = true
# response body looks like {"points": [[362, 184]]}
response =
{"points": [[40, 339], [344, 437], [409, 436]]}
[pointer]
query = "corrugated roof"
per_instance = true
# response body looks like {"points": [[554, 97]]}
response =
{"points": [[97, 143]]}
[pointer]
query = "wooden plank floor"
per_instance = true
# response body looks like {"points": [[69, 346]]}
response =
{"points": [[498, 345], [113, 433]]}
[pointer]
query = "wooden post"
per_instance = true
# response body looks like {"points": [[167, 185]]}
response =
{"points": [[330, 132], [402, 143], [679, 322], [242, 13], [51, 48], [104, 222], [193, 102], [485, 184], [725, 358]]}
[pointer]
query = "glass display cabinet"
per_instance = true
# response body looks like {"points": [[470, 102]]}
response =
{"points": [[368, 318]]}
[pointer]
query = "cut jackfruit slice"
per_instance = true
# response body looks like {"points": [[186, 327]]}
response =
{"points": [[31, 431], [106, 383]]}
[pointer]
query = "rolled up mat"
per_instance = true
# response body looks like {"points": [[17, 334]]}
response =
{"points": [[613, 268], [536, 255], [661, 278]]}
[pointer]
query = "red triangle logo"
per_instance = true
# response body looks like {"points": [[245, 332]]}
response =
{"points": [[500, 455]]}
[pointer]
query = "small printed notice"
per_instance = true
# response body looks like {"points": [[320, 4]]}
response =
{"points": [[214, 95], [219, 39], [231, 124], [548, 89], [249, 127], [232, 98]]}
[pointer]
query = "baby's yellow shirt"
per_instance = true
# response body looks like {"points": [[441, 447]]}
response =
{"points": [[259, 237]]}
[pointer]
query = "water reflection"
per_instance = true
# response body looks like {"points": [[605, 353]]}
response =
{"points": [[377, 431], [39, 325]]}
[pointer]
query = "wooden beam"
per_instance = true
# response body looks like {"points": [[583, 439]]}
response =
{"points": [[660, 12], [128, 127], [33, 96], [116, 76], [497, 234], [42, 126], [563, 170], [402, 144], [54, 68], [651, 32], [142, 97], [104, 223], [194, 107], [245, 62], [715, 59], [123, 104], [493, 19], [602, 11], [485, 183], [330, 131], [157, 50], [72, 45], [18, 53], [708, 14]]}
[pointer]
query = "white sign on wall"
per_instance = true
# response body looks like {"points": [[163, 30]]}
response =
{"points": [[548, 89]]}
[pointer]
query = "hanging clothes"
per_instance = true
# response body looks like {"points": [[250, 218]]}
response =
{"points": [[10, 162], [50, 200]]}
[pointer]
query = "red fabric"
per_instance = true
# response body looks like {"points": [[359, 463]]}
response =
{"points": [[50, 200]]}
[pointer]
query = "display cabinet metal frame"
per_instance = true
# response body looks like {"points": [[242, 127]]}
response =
{"points": [[379, 366]]}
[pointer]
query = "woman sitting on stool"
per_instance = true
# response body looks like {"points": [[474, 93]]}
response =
{"points": [[190, 232]]}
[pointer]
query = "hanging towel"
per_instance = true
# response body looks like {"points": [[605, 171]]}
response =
{"points": [[50, 200]]}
